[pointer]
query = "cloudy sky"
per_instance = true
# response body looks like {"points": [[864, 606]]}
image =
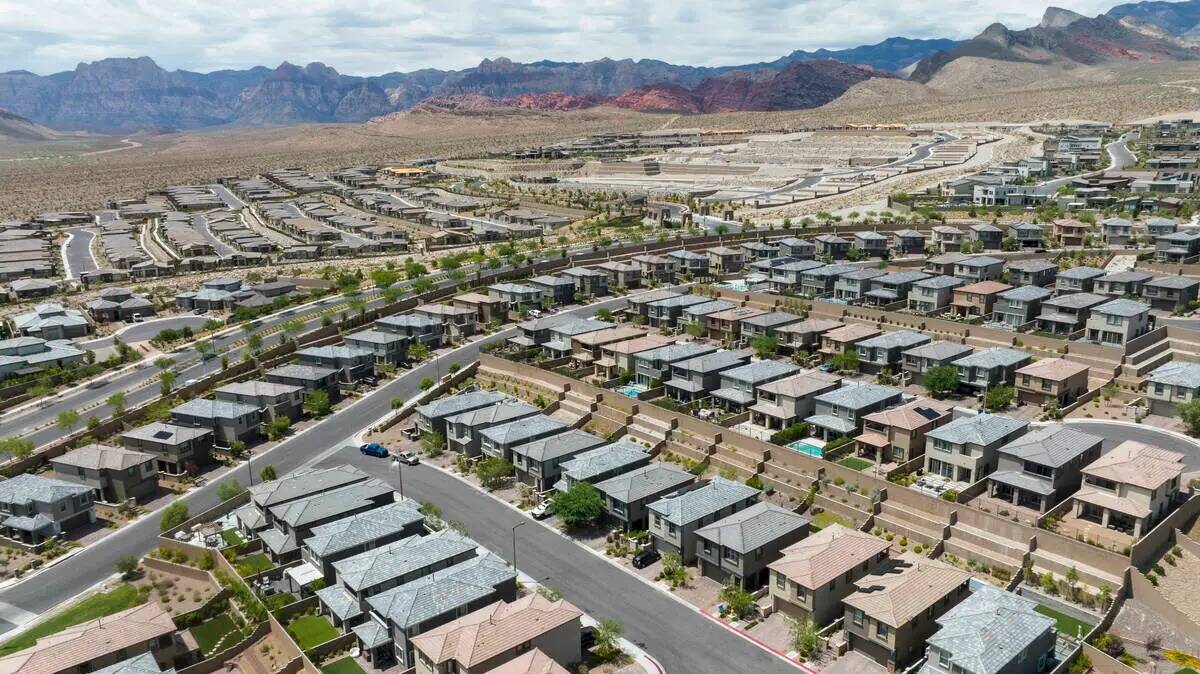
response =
{"points": [[372, 37]]}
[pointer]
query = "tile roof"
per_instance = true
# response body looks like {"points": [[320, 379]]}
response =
{"points": [[982, 429], [855, 395], [1173, 282], [1052, 445], [168, 434], [1177, 373], [640, 344], [598, 461], [827, 554], [258, 388], [710, 307], [103, 457], [532, 662], [759, 371], [1131, 276], [901, 593], [1076, 300], [643, 482], [989, 629], [1137, 464], [999, 356], [853, 331], [1122, 307], [373, 567], [1056, 369], [980, 261], [912, 415], [702, 500], [1025, 294], [801, 384], [984, 288], [939, 350], [28, 488], [672, 353], [559, 445], [712, 362], [941, 281], [1080, 273], [363, 527], [523, 429], [811, 325], [302, 372], [773, 319], [501, 412], [440, 592], [754, 527], [305, 511], [900, 338], [480, 636], [304, 483], [457, 404], [138, 664], [82, 643]]}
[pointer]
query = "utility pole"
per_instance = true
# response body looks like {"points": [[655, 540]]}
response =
{"points": [[514, 542]]}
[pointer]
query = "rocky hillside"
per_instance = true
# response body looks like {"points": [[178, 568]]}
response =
{"points": [[16, 127], [1178, 19]]}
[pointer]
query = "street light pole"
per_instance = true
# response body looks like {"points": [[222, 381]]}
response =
{"points": [[250, 468], [514, 536], [400, 473]]}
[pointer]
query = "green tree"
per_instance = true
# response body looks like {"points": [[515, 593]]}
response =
{"points": [[845, 361], [426, 383], [205, 348], [738, 602], [805, 639], [163, 363], [127, 566], [16, 447], [293, 328], [422, 286], [1189, 413], [418, 352], [267, 473], [255, 342], [578, 506], [173, 515], [493, 472], [67, 421], [166, 381], [941, 380], [604, 315], [358, 306], [433, 443], [608, 639], [695, 329], [998, 399], [382, 278], [764, 346], [229, 489], [316, 403], [277, 428]]}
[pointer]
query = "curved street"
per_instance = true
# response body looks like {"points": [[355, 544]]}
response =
{"points": [[1117, 432]]}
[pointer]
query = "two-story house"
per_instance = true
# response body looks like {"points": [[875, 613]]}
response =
{"points": [[989, 368], [431, 417], [463, 430], [675, 518], [943, 265], [1172, 384], [739, 547], [1070, 232], [967, 640], [626, 496], [787, 275], [1041, 468], [539, 462], [351, 363], [290, 523], [34, 508], [979, 268], [766, 325], [653, 367], [892, 287], [784, 402], [1077, 280], [458, 322], [897, 434], [696, 378], [870, 244], [693, 264], [1118, 322], [839, 413], [820, 280], [1026, 234], [964, 450], [759, 250], [623, 275], [666, 313], [602, 463], [884, 352], [619, 357], [921, 359], [933, 294], [1067, 314], [389, 347], [588, 282], [724, 260], [559, 290], [798, 248], [1172, 293], [947, 239], [991, 236], [657, 268], [334, 541], [1116, 231], [726, 326], [498, 441], [177, 449], [978, 299], [815, 574], [1130, 488], [1019, 306], [561, 337], [639, 304], [308, 377], [229, 421], [832, 246], [845, 338], [115, 475], [908, 242], [1051, 379], [1122, 283], [1177, 247], [805, 335], [1031, 272], [520, 298], [275, 400], [851, 286], [588, 347], [737, 388]]}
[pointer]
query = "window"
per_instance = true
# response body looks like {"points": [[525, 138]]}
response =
{"points": [[658, 521], [731, 554], [943, 658], [881, 630], [781, 582], [670, 529], [707, 548], [857, 616]]}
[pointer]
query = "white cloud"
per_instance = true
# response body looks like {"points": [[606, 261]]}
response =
{"points": [[377, 36]]}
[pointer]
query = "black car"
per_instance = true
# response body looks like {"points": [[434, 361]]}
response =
{"points": [[645, 557]]}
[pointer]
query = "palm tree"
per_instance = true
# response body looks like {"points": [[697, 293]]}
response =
{"points": [[116, 402]]}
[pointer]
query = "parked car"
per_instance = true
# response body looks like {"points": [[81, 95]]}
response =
{"points": [[374, 449], [137, 318], [408, 458], [535, 313], [542, 510], [645, 557]]}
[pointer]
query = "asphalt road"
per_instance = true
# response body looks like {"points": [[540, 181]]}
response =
{"points": [[1114, 434], [200, 224], [78, 252], [140, 332], [232, 202], [1119, 157]]}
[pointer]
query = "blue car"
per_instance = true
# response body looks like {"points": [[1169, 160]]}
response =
{"points": [[374, 449]]}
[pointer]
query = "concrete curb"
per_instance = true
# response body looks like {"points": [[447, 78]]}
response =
{"points": [[1128, 424]]}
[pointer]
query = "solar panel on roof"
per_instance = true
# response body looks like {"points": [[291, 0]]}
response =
{"points": [[162, 435], [927, 412]]}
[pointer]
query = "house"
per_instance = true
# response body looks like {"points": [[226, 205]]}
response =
{"points": [[737, 388], [401, 613], [908, 242], [933, 294], [1118, 322], [884, 352], [587, 348], [562, 336], [539, 462], [31, 288], [1156, 227], [588, 282], [500, 439], [1116, 231], [845, 338], [992, 632], [1031, 272], [1122, 283], [1067, 314], [358, 532], [602, 463], [947, 239], [488, 309], [379, 569], [463, 430], [1041, 468], [457, 321], [1019, 306], [991, 236], [893, 287], [656, 268], [853, 285], [921, 359], [797, 248], [536, 332], [1172, 293], [815, 574], [832, 246], [1070, 232], [787, 401], [697, 313], [34, 508], [431, 417], [1172, 384], [759, 250], [351, 363], [308, 377], [675, 518], [116, 475], [964, 450], [144, 635], [979, 268], [558, 289], [623, 275], [1177, 247], [724, 260], [978, 299], [619, 357], [944, 264], [294, 486], [893, 611], [665, 313], [534, 661], [1026, 234], [691, 263], [786, 274], [1077, 280], [989, 368], [805, 335], [897, 434], [626, 496], [696, 378], [229, 421], [51, 322], [739, 547], [414, 328], [480, 642], [178, 449], [1051, 379], [119, 304], [639, 304], [288, 524], [870, 244], [1130, 488], [652, 368], [520, 298], [839, 413], [23, 355], [820, 280], [274, 400]]}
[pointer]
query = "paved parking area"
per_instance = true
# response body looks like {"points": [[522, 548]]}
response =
{"points": [[853, 662]]}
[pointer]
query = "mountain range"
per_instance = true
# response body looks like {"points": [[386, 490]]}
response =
{"points": [[124, 95]]}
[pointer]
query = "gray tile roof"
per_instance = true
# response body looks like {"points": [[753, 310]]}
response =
{"points": [[559, 445], [753, 527], [798, 265], [166, 434], [1025, 294], [1174, 282], [865, 274], [456, 404], [371, 634], [675, 352], [373, 567], [444, 591], [1053, 445], [643, 482], [581, 327], [1031, 265], [1000, 356], [494, 414], [1022, 480], [305, 511], [1177, 373], [378, 336], [941, 281], [980, 261], [982, 429], [856, 396], [515, 432], [908, 233], [949, 258], [989, 629], [901, 277], [27, 488], [302, 372], [603, 459], [340, 602], [939, 350], [138, 664], [336, 351], [831, 270], [708, 308], [303, 483], [1133, 276], [1081, 273], [1122, 307], [214, 409], [407, 321], [712, 362], [836, 424], [1076, 300], [702, 501], [773, 319], [869, 236], [759, 371], [371, 525], [900, 338]]}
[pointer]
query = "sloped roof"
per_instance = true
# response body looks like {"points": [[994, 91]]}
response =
{"points": [[982, 429], [442, 591], [370, 568], [477, 637], [28, 488], [989, 629], [305, 511], [645, 481], [103, 457], [1055, 369], [1000, 356], [304, 483], [87, 641], [532, 662], [559, 445], [600, 460], [1177, 373], [901, 593], [753, 527], [1136, 463], [363, 527], [1051, 445], [702, 501], [827, 554]]}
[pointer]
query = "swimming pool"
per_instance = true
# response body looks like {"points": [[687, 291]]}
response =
{"points": [[737, 285], [630, 390], [806, 448]]}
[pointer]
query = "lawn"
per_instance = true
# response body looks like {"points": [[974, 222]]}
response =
{"points": [[252, 564], [277, 601], [96, 606], [824, 519], [208, 634], [311, 630], [1066, 624], [232, 537], [343, 666], [855, 463]]}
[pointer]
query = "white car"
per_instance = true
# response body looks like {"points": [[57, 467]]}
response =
{"points": [[408, 458], [542, 510], [535, 313]]}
